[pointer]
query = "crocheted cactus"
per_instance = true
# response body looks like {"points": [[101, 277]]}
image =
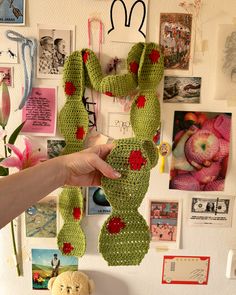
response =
{"points": [[124, 238]]}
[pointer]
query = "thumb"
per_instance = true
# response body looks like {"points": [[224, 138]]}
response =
{"points": [[105, 168]]}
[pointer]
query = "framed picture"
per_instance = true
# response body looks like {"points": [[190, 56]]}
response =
{"points": [[182, 89], [96, 201], [165, 222], [8, 75], [54, 147], [55, 44], [176, 42], [12, 12], [48, 263]]}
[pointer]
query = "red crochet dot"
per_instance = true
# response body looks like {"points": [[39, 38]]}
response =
{"points": [[77, 213], [67, 248], [140, 102], [133, 66], [154, 56], [69, 88], [85, 56], [136, 160], [80, 133], [115, 225], [109, 93]]}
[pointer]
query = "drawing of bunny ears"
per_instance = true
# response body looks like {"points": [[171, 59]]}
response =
{"points": [[127, 21]]}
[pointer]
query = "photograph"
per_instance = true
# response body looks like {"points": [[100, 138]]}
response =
{"points": [[41, 219], [12, 12], [54, 147], [200, 150], [7, 74], [48, 263], [175, 40], [182, 89], [164, 220], [97, 202], [55, 44]]}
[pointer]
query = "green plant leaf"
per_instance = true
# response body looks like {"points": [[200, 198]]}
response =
{"points": [[14, 135], [3, 171]]}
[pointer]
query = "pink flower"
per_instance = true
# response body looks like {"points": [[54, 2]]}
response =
{"points": [[23, 160], [5, 104]]}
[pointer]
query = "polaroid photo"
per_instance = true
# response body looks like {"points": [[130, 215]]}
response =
{"points": [[12, 12], [48, 263], [7, 73], [182, 89], [55, 44], [97, 203], [177, 42], [41, 219], [165, 223]]}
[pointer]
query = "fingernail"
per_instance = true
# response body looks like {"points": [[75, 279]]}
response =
{"points": [[117, 174]]}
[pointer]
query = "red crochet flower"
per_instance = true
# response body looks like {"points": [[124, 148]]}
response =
{"points": [[136, 160], [67, 248], [77, 213], [115, 225], [69, 88], [109, 93], [133, 66], [140, 102], [85, 56], [154, 56], [80, 133]]}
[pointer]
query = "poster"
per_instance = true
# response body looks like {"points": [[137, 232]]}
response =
{"points": [[128, 20], [165, 223], [225, 84], [182, 89], [47, 263], [40, 112], [211, 210], [97, 202], [200, 151], [12, 12], [176, 42]]}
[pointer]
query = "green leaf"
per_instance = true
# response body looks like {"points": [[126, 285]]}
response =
{"points": [[14, 135], [3, 171]]}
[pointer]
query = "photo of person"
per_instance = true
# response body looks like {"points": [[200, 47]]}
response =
{"points": [[55, 45]]}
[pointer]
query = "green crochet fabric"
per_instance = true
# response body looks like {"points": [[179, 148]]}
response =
{"points": [[124, 238]]}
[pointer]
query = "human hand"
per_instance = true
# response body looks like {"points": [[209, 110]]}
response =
{"points": [[86, 168]]}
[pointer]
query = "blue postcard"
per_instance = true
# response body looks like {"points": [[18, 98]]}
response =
{"points": [[12, 12]]}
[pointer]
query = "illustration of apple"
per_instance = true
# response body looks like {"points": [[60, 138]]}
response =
{"points": [[209, 125], [207, 174], [216, 185]]}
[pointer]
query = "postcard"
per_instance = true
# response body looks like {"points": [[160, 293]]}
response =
{"points": [[55, 147], [128, 21], [176, 42], [97, 202], [182, 89], [48, 263], [192, 270], [40, 112], [211, 210], [8, 50], [7, 72], [56, 43], [41, 219], [12, 12], [200, 150], [165, 223], [119, 125]]}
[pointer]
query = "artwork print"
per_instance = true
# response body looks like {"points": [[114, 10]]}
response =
{"points": [[163, 220], [97, 202], [48, 263], [182, 89], [12, 12], [8, 50], [55, 45], [175, 40], [200, 151], [41, 219], [226, 63]]}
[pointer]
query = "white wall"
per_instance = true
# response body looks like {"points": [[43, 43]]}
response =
{"points": [[215, 242]]}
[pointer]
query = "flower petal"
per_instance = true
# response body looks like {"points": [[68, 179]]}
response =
{"points": [[11, 162], [28, 149], [16, 151]]}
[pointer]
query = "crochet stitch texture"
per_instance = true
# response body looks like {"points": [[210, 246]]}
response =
{"points": [[124, 237]]}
